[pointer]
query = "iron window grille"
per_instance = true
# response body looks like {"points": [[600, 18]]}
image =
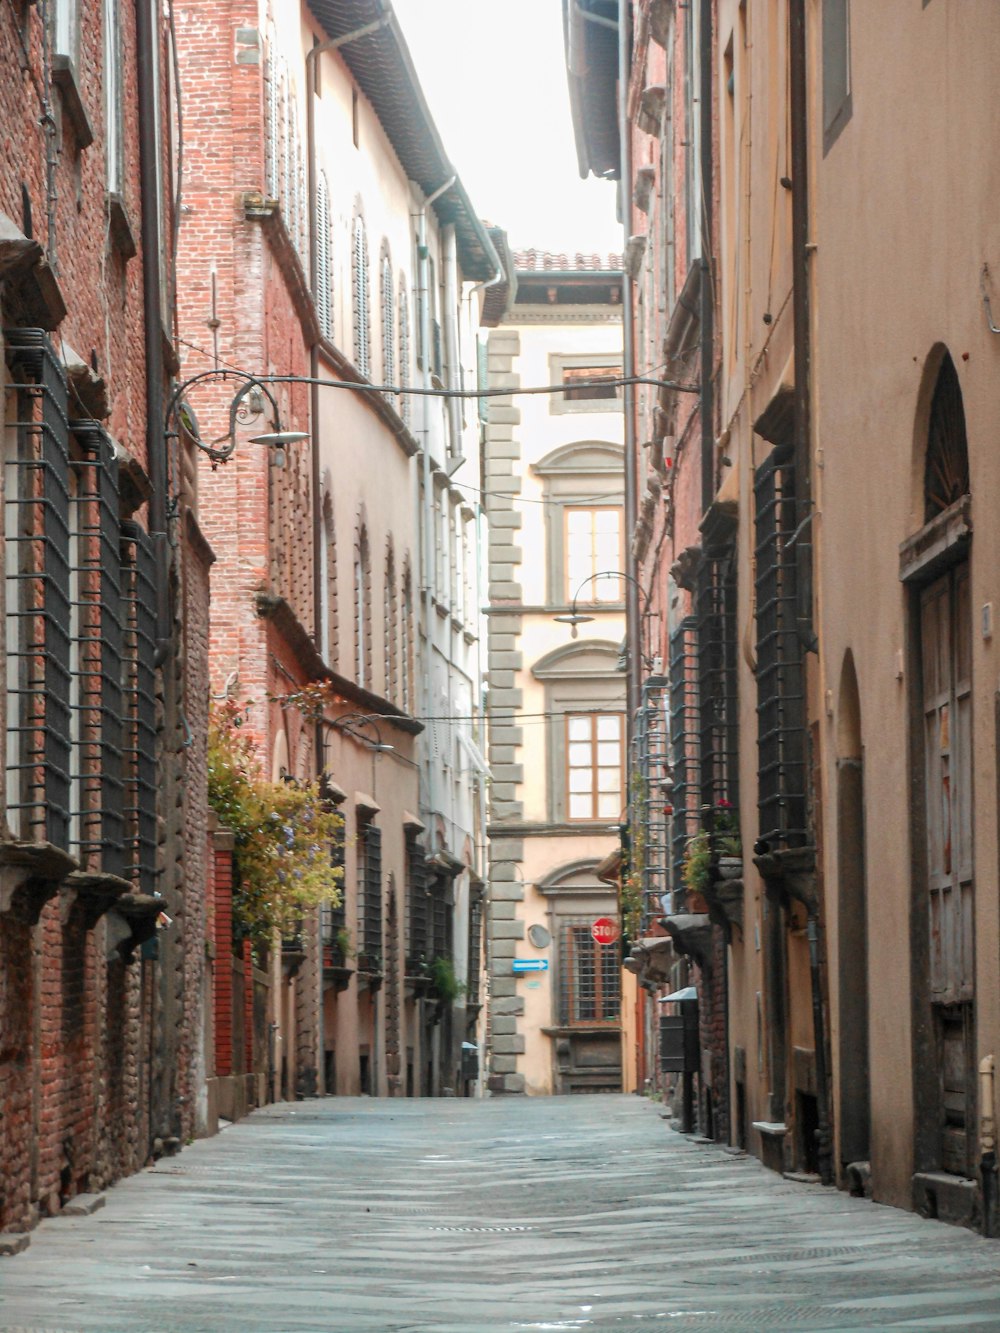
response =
{"points": [[717, 680], [685, 741], [37, 531], [650, 796], [475, 945], [369, 943], [590, 979], [333, 919], [139, 691], [417, 907], [781, 718], [97, 774]]}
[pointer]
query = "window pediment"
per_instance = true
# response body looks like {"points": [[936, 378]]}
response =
{"points": [[579, 661], [586, 457]]}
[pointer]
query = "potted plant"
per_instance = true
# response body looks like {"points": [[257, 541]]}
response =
{"points": [[697, 869], [728, 844]]}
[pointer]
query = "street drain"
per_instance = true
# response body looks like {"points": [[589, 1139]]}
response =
{"points": [[480, 1229]]}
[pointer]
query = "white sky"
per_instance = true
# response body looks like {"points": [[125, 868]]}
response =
{"points": [[494, 76]]}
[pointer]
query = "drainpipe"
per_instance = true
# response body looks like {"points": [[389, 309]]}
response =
{"points": [[824, 1133], [451, 346], [427, 514], [801, 315], [156, 455], [988, 1145], [633, 628], [705, 169]]}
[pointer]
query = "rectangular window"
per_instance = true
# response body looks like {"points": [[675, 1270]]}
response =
{"points": [[584, 383], [836, 68], [66, 30], [594, 554], [113, 100], [590, 979], [594, 765], [369, 896], [588, 380]]}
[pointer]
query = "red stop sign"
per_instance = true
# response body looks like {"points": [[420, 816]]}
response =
{"points": [[604, 930]]}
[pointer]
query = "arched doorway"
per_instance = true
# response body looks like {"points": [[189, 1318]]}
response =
{"points": [[935, 565], [854, 1109]]}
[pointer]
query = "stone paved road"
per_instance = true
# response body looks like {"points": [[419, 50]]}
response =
{"points": [[587, 1213]]}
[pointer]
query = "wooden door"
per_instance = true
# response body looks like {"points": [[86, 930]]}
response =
{"points": [[947, 711]]}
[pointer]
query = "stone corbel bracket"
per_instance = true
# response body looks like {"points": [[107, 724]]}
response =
{"points": [[30, 875], [94, 895], [132, 921], [725, 904], [791, 870], [691, 933]]}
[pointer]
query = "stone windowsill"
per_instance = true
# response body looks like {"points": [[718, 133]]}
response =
{"points": [[64, 76]]}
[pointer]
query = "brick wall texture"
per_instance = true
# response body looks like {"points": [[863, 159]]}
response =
{"points": [[98, 1040]]}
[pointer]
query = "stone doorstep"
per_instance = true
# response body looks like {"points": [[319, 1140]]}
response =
{"points": [[946, 1198], [83, 1205], [14, 1242]]}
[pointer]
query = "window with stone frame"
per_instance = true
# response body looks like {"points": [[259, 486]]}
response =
{"points": [[388, 303], [328, 584], [405, 353], [583, 489], [595, 765], [589, 382], [361, 298], [589, 977], [390, 656], [585, 730], [369, 940], [406, 642], [594, 546], [362, 609], [323, 293]]}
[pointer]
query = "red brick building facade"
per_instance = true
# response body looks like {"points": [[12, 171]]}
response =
{"points": [[105, 609]]}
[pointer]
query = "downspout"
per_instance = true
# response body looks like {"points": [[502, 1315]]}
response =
{"points": [[319, 570], [156, 456], [801, 314], [705, 172], [633, 627], [451, 347], [427, 514]]}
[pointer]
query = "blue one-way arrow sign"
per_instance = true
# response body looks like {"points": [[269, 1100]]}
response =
{"points": [[530, 965]]}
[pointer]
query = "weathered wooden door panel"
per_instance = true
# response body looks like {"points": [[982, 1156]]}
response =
{"points": [[946, 640]]}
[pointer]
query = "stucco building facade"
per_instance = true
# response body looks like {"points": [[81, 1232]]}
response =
{"points": [[345, 609], [554, 485], [820, 437]]}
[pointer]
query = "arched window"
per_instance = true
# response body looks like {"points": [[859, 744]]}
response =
{"points": [[362, 610], [273, 120], [946, 471], [328, 584], [388, 320], [361, 301], [389, 629], [406, 641], [324, 270], [403, 322]]}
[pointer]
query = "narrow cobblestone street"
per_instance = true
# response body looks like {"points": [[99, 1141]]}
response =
{"points": [[558, 1213]]}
